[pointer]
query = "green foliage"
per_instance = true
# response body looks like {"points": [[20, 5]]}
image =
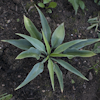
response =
{"points": [[49, 3], [96, 48], [34, 47], [97, 1], [95, 22], [76, 4], [5, 96], [96, 69]]}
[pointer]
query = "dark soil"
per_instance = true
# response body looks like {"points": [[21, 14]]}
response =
{"points": [[13, 72]]}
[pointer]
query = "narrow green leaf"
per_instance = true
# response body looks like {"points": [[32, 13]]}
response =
{"points": [[74, 4], [36, 70], [59, 76], [80, 53], [66, 45], [83, 44], [6, 96], [35, 42], [90, 27], [30, 27], [32, 52], [46, 43], [82, 5], [98, 34], [40, 4], [52, 5], [96, 28], [51, 72], [58, 36], [46, 1], [96, 48], [92, 19], [20, 43], [45, 59], [70, 68], [58, 55], [45, 26]]}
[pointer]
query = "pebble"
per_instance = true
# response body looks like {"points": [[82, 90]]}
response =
{"points": [[43, 91], [3, 85], [8, 21], [71, 34], [74, 88], [84, 86], [90, 76], [19, 76]]}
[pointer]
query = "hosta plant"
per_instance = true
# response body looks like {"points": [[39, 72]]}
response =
{"points": [[52, 50], [76, 4]]}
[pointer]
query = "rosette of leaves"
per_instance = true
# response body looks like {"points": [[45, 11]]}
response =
{"points": [[49, 3], [95, 22], [5, 96], [76, 4], [34, 47], [97, 2]]}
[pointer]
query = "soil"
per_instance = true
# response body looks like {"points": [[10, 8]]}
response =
{"points": [[13, 72]]}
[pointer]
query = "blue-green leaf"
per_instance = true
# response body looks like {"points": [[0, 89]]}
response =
{"points": [[59, 76], [30, 27], [90, 27], [35, 42], [45, 26], [96, 48], [36, 70], [51, 72], [58, 55], [58, 36], [79, 53], [20, 43], [83, 43], [70, 68], [32, 52], [47, 44], [66, 45]]}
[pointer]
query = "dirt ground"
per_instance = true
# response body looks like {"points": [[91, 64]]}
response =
{"points": [[13, 72]]}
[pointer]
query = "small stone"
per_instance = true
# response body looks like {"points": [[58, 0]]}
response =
{"points": [[74, 88], [48, 18], [8, 21], [3, 85], [71, 34], [38, 87], [43, 91], [84, 86], [90, 76], [19, 76]]}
